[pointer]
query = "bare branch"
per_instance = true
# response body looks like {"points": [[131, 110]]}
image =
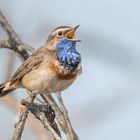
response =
{"points": [[46, 125], [46, 116], [27, 47], [9, 30], [71, 135], [62, 117], [5, 44], [11, 103], [14, 41], [23, 114], [19, 126]]}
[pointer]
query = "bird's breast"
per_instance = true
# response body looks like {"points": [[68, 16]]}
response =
{"points": [[48, 78], [62, 73]]}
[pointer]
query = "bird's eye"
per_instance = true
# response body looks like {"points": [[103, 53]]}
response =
{"points": [[60, 33]]}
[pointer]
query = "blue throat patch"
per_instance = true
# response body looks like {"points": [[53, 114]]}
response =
{"points": [[67, 55]]}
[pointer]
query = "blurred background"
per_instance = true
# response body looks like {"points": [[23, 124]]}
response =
{"points": [[104, 102]]}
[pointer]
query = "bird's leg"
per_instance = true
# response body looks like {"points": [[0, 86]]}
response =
{"points": [[32, 96]]}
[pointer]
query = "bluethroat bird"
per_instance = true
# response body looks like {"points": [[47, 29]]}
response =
{"points": [[51, 68]]}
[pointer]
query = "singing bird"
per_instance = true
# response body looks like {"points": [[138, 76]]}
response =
{"points": [[51, 68]]}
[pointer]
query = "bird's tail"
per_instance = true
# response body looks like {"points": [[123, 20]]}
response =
{"points": [[6, 88]]}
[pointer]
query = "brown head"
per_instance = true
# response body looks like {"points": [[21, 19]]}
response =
{"points": [[59, 33]]}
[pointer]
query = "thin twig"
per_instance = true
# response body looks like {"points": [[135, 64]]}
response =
{"points": [[63, 120], [19, 126], [8, 28], [45, 114], [13, 40], [5, 44], [71, 135], [27, 47], [61, 116], [46, 125], [23, 114], [11, 103]]}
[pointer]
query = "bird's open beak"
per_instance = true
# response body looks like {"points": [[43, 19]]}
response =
{"points": [[70, 34]]}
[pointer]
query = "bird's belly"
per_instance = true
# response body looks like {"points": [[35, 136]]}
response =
{"points": [[45, 81]]}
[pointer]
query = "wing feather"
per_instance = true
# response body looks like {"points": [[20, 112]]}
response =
{"points": [[31, 63]]}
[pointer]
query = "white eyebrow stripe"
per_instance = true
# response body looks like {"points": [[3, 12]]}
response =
{"points": [[60, 29]]}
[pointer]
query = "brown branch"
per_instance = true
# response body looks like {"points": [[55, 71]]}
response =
{"points": [[9, 30], [5, 44], [46, 116], [19, 126], [14, 41], [23, 114], [46, 125], [70, 133], [11, 103], [62, 117]]}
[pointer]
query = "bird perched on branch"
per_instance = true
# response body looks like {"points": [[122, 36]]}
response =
{"points": [[51, 68]]}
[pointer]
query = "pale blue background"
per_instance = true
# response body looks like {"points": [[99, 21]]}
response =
{"points": [[104, 102]]}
